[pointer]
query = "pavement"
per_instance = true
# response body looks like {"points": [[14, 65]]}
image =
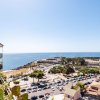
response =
{"points": [[43, 92], [50, 77]]}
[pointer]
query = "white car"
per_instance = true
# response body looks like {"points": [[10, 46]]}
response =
{"points": [[61, 88], [39, 89], [34, 90], [53, 89]]}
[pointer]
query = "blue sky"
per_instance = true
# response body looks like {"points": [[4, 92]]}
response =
{"points": [[50, 25]]}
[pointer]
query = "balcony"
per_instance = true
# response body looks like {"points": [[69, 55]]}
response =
{"points": [[1, 56]]}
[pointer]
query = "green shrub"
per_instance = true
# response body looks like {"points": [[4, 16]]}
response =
{"points": [[79, 84], [25, 79], [16, 91], [16, 82], [92, 70], [61, 69], [23, 97], [1, 95]]}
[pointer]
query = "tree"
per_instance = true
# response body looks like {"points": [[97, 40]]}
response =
{"points": [[40, 75], [84, 70], [81, 85], [16, 91], [1, 94], [57, 69], [62, 69], [73, 61], [33, 75], [79, 61], [63, 60], [23, 97], [2, 75], [92, 70], [69, 70], [37, 74]]}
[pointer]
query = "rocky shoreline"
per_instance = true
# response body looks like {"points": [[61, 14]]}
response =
{"points": [[92, 61]]}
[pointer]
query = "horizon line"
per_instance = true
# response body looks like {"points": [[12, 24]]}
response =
{"points": [[53, 52]]}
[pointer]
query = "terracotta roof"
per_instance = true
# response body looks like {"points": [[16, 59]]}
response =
{"points": [[96, 84], [94, 91]]}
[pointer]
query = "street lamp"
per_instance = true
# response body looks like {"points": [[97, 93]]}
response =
{"points": [[1, 56]]}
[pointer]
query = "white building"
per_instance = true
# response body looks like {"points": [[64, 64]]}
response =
{"points": [[57, 97], [1, 56]]}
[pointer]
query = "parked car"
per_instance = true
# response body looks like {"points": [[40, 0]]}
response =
{"points": [[35, 87], [34, 98], [65, 83], [41, 96], [87, 83], [34, 90], [59, 82], [45, 88], [23, 90], [61, 88], [29, 89], [39, 89], [53, 89]]}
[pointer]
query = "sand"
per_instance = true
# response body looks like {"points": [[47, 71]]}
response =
{"points": [[9, 73]]}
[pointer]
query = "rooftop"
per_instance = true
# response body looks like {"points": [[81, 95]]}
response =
{"points": [[96, 84], [94, 88], [57, 97], [70, 92]]}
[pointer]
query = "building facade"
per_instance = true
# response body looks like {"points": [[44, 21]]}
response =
{"points": [[72, 94], [1, 56]]}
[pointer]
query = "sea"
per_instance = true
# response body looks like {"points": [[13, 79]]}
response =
{"points": [[11, 60]]}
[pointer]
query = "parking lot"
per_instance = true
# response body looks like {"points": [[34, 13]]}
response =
{"points": [[54, 86], [36, 92], [43, 92]]}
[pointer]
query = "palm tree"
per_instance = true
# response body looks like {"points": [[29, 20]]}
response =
{"points": [[63, 60], [40, 74], [33, 75], [37, 74]]}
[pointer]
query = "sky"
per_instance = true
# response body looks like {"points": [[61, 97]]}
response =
{"points": [[50, 25]]}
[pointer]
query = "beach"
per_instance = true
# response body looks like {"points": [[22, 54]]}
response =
{"points": [[9, 73]]}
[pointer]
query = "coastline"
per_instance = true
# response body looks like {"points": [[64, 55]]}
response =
{"points": [[13, 61], [29, 67], [54, 60]]}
